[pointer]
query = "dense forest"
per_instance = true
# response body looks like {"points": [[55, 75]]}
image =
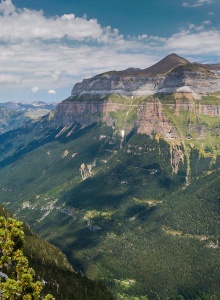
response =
{"points": [[31, 268]]}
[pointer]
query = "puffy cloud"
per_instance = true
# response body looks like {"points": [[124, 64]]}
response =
{"points": [[142, 37], [6, 7], [35, 89], [14, 26], [52, 92], [203, 42]]}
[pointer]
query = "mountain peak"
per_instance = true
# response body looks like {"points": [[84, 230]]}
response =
{"points": [[166, 64], [162, 67], [176, 57]]}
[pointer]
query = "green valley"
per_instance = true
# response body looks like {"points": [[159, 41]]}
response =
{"points": [[123, 177], [120, 209]]}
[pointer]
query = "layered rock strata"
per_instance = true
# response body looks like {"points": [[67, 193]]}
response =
{"points": [[150, 116], [93, 99], [172, 74]]}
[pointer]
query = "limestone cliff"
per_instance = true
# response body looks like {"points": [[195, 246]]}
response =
{"points": [[151, 118], [122, 100]]}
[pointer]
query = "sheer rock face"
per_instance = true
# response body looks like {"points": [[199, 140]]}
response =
{"points": [[92, 100], [150, 116], [199, 108], [113, 83], [151, 119], [84, 113]]}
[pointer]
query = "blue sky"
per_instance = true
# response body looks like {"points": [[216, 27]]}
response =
{"points": [[48, 46]]}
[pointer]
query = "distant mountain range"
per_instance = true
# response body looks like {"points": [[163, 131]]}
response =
{"points": [[13, 115], [26, 106], [124, 177]]}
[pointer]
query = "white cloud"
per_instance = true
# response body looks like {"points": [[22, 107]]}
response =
{"points": [[52, 92], [28, 25], [6, 7], [52, 55], [142, 37], [35, 89], [196, 3], [7, 79], [207, 22], [204, 42], [200, 27], [55, 65]]}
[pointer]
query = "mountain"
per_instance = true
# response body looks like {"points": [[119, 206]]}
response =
{"points": [[211, 67], [127, 184], [54, 271], [13, 115], [166, 64], [17, 106], [171, 74]]}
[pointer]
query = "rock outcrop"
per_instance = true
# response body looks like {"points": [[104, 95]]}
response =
{"points": [[152, 119]]}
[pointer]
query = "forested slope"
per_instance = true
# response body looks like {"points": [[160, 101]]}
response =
{"points": [[54, 271]]}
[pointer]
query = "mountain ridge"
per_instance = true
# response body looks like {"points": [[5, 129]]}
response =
{"points": [[166, 64], [166, 76], [163, 66]]}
